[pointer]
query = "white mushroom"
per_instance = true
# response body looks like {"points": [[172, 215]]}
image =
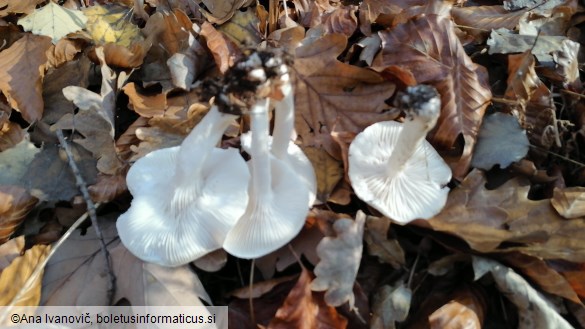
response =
{"points": [[278, 199], [394, 169], [281, 142], [186, 198]]}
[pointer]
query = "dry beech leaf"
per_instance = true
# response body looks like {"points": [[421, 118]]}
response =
{"points": [[501, 141], [21, 73], [8, 7], [329, 93], [467, 309], [390, 305], [304, 309], [486, 18], [145, 105], [10, 250], [486, 218], [13, 290], [327, 170], [53, 21], [531, 99], [188, 64], [169, 30], [75, 275], [225, 52], [212, 262], [540, 273], [429, 47], [220, 11], [569, 202], [111, 24], [10, 135], [243, 28], [342, 20], [107, 187], [14, 162], [15, 204], [340, 260], [64, 51], [534, 310], [387, 250]]}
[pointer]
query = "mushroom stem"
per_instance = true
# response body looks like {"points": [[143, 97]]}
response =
{"points": [[423, 109], [261, 170], [284, 119], [204, 136]]}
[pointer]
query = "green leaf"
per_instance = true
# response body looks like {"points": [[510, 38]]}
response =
{"points": [[54, 21]]}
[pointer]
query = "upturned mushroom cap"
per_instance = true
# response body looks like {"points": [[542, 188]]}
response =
{"points": [[416, 191], [183, 209], [394, 169]]}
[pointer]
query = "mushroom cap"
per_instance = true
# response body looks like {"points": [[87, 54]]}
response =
{"points": [[172, 222], [267, 226], [296, 159], [416, 191]]}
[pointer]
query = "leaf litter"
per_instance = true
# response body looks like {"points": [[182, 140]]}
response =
{"points": [[122, 82]]}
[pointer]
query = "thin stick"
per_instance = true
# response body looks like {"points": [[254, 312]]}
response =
{"points": [[92, 213]]}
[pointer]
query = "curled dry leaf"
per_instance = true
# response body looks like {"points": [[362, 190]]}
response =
{"points": [[14, 162], [8, 7], [145, 105], [390, 305], [486, 218], [463, 85], [225, 52], [21, 73], [376, 236], [327, 170], [467, 309], [329, 93], [486, 18], [107, 187], [15, 204], [10, 250], [534, 310], [64, 51], [342, 20], [340, 260], [169, 30], [13, 279], [10, 135], [569, 202], [305, 309]]}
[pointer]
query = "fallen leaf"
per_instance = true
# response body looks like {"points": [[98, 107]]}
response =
{"points": [[342, 20], [225, 52], [53, 21], [327, 170], [569, 202], [500, 141], [49, 177], [467, 309], [376, 236], [486, 18], [76, 275], [15, 204], [212, 262], [21, 73], [219, 11], [187, 65], [10, 135], [13, 279], [340, 260], [305, 309], [169, 30], [463, 85], [111, 23], [66, 50], [390, 305], [145, 105], [329, 93], [243, 28], [8, 7], [10, 250], [487, 218], [107, 187], [534, 310], [14, 161]]}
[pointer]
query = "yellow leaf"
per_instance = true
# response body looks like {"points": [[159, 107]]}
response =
{"points": [[13, 280], [328, 171], [111, 23], [53, 21], [243, 28]]}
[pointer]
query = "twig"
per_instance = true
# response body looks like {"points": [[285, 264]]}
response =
{"points": [[92, 214], [250, 298]]}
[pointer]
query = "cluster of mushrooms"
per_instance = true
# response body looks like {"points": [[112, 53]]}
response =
{"points": [[195, 198]]}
